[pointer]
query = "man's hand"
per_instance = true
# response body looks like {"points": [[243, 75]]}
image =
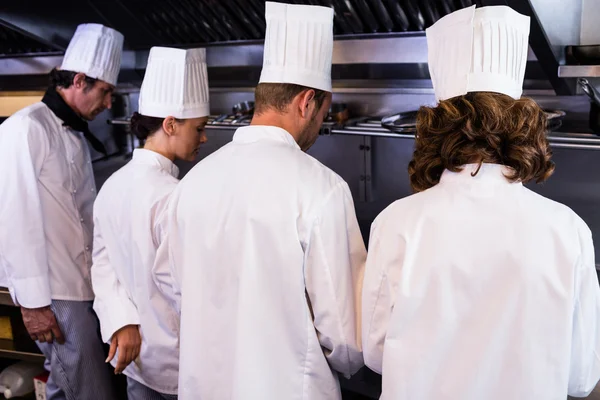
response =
{"points": [[41, 325], [128, 341]]}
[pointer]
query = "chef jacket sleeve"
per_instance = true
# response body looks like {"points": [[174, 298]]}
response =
{"points": [[585, 360], [382, 275], [113, 305], [163, 271], [22, 240], [334, 268]]}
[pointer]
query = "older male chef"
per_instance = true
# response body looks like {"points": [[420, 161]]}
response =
{"points": [[476, 287], [264, 239], [46, 204]]}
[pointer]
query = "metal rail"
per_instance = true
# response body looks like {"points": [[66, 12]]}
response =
{"points": [[372, 128]]}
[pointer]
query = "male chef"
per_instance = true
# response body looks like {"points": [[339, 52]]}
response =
{"points": [[476, 287], [46, 204], [264, 240]]}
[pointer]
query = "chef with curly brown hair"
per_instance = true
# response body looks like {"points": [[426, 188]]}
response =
{"points": [[476, 287]]}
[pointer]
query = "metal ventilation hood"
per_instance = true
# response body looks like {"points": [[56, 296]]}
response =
{"points": [[375, 39]]}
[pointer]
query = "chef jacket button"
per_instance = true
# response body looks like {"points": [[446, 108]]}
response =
{"points": [[74, 190], [80, 219], [87, 248]]}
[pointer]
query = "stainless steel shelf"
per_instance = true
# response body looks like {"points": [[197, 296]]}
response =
{"points": [[16, 351], [579, 71], [5, 298], [578, 141]]}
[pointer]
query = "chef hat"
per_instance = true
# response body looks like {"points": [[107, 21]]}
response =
{"points": [[478, 50], [175, 84], [298, 45], [95, 50]]}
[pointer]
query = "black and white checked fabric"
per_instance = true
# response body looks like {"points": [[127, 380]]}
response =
{"points": [[77, 367]]}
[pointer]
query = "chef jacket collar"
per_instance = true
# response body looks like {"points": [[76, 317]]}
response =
{"points": [[143, 156], [64, 112], [488, 175], [254, 133]]}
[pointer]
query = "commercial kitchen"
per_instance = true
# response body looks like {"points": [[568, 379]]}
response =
{"points": [[380, 79]]}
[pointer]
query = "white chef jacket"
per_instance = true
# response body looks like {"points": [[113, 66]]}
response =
{"points": [[47, 192], [268, 256], [127, 232], [479, 288]]}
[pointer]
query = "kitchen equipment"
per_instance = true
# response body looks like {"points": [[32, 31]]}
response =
{"points": [[243, 111], [592, 93], [365, 12], [589, 90], [346, 9], [414, 14], [338, 113], [583, 55], [404, 122], [384, 16], [445, 7], [554, 119], [397, 13], [595, 118], [430, 12]]}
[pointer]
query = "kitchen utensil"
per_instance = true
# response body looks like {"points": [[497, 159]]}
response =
{"points": [[589, 90], [338, 113], [404, 122], [244, 107], [554, 119], [398, 15], [582, 55]]}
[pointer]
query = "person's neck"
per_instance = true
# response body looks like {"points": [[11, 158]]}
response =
{"points": [[67, 96], [279, 120], [158, 146]]}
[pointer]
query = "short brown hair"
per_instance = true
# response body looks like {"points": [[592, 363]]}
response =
{"points": [[277, 96], [480, 127]]}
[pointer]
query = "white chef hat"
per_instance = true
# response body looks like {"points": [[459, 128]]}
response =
{"points": [[478, 50], [175, 84], [95, 50], [298, 45]]}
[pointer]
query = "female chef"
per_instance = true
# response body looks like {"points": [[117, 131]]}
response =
{"points": [[476, 287], [137, 317]]}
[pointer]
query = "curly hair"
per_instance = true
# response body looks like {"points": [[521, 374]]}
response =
{"points": [[480, 127]]}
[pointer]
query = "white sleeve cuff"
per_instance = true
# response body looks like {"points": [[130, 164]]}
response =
{"points": [[114, 316], [30, 292]]}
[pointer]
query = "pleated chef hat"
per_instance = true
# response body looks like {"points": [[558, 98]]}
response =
{"points": [[298, 45], [478, 50], [175, 84], [95, 50]]}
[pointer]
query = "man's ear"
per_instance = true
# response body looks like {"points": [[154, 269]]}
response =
{"points": [[168, 125], [79, 81], [306, 103]]}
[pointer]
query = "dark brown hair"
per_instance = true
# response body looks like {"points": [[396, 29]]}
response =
{"points": [[64, 79], [278, 96], [480, 127], [143, 126]]}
